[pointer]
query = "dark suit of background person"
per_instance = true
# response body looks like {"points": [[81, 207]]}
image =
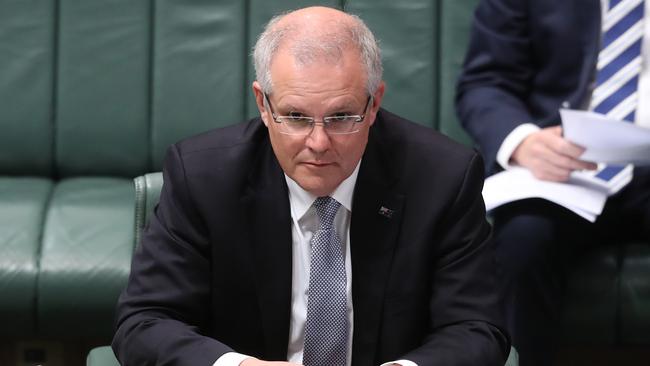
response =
{"points": [[528, 58], [213, 271]]}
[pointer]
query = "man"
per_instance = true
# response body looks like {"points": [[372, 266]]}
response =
{"points": [[526, 60], [328, 232]]}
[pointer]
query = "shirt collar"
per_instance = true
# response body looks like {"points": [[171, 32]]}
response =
{"points": [[301, 200]]}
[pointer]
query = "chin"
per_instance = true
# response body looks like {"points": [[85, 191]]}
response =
{"points": [[317, 187]]}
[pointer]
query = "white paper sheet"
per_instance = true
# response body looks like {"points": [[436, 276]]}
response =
{"points": [[606, 140], [519, 183]]}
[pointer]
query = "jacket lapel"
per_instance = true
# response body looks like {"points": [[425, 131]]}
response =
{"points": [[374, 227], [589, 19], [269, 220]]}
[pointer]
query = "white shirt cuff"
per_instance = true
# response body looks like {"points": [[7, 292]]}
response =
{"points": [[400, 362], [230, 359], [511, 142], [234, 359]]}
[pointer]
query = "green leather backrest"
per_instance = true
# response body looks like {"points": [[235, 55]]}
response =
{"points": [[26, 83], [455, 19], [408, 32], [103, 87], [198, 69]]}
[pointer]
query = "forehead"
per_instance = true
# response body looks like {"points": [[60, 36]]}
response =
{"points": [[319, 76]]}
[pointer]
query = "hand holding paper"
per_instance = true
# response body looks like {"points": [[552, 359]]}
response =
{"points": [[549, 156], [605, 140]]}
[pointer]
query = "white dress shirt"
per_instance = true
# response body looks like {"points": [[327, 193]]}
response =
{"points": [[518, 135], [304, 223]]}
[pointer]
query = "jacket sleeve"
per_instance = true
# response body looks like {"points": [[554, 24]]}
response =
{"points": [[465, 318], [164, 310], [496, 75]]}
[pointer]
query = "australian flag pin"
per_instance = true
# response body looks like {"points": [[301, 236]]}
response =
{"points": [[386, 212]]}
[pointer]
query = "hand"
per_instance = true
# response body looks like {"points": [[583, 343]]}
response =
{"points": [[255, 362], [549, 156]]}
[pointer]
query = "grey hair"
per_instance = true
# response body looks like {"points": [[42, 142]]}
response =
{"points": [[308, 48]]}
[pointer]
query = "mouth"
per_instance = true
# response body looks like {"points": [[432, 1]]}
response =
{"points": [[317, 164]]}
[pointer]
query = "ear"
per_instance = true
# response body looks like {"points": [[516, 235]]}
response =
{"points": [[376, 102], [259, 100]]}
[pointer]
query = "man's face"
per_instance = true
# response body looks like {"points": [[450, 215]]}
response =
{"points": [[319, 161]]}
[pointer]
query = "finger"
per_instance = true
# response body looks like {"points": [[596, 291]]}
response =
{"points": [[552, 166], [555, 130], [564, 147], [565, 163], [571, 164], [552, 136], [551, 176], [586, 165], [552, 173], [548, 156]]}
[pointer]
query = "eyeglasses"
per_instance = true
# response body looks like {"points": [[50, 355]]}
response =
{"points": [[297, 124]]}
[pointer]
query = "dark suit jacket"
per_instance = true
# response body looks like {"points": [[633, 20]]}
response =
{"points": [[213, 271], [526, 59]]}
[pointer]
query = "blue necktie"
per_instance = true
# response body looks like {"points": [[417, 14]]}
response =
{"points": [[326, 328], [619, 65]]}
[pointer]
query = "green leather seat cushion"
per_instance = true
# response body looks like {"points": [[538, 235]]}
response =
{"points": [[85, 257], [592, 292], [22, 208], [608, 297], [635, 294]]}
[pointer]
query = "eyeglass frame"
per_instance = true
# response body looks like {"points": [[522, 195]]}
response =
{"points": [[359, 118]]}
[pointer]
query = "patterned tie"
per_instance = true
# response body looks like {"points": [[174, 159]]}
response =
{"points": [[326, 328], [619, 65]]}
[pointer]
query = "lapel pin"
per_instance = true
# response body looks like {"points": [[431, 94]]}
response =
{"points": [[386, 212]]}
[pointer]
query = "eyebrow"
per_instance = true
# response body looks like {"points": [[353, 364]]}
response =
{"points": [[346, 106]]}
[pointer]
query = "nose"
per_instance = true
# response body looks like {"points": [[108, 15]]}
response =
{"points": [[318, 140]]}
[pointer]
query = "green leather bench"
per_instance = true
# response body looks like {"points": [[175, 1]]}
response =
{"points": [[92, 93]]}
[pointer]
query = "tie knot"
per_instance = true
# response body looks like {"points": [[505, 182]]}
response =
{"points": [[326, 208]]}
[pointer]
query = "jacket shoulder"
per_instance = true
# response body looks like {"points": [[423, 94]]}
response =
{"points": [[419, 142], [235, 136]]}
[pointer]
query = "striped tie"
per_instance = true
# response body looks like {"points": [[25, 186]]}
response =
{"points": [[619, 66]]}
